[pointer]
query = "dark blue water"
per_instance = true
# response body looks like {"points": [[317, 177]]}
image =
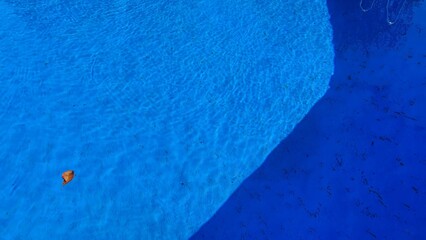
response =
{"points": [[161, 108], [354, 168]]}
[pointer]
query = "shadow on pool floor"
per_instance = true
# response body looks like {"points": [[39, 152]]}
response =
{"points": [[354, 167]]}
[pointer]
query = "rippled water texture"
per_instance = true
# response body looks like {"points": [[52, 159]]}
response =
{"points": [[161, 108]]}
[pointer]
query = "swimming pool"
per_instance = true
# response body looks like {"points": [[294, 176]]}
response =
{"points": [[353, 168], [161, 108]]}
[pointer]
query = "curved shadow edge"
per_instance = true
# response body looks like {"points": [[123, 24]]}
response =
{"points": [[354, 167]]}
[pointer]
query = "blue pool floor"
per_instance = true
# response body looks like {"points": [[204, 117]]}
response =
{"points": [[161, 108], [354, 168], [146, 168]]}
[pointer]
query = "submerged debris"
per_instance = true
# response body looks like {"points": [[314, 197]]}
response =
{"points": [[67, 176]]}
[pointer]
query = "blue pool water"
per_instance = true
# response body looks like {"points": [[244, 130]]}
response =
{"points": [[162, 108], [354, 167]]}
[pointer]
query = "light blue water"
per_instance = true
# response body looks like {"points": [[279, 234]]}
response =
{"points": [[161, 108]]}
